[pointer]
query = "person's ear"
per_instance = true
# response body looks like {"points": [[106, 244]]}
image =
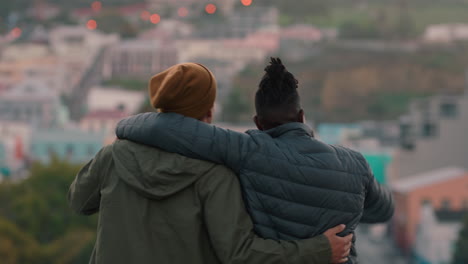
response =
{"points": [[301, 116], [208, 118], [210, 113], [257, 123]]}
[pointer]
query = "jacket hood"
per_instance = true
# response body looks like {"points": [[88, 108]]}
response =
{"points": [[154, 173]]}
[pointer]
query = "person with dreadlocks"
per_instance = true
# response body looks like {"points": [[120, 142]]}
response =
{"points": [[294, 186]]}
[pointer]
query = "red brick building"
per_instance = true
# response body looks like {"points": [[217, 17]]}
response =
{"points": [[445, 189]]}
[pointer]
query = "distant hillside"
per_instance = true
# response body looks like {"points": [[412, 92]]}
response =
{"points": [[345, 85]]}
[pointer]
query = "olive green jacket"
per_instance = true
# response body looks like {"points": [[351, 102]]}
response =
{"points": [[159, 207]]}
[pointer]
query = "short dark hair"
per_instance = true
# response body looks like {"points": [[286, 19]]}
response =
{"points": [[277, 100]]}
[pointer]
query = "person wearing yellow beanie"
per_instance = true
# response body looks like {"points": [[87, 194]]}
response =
{"points": [[188, 89]]}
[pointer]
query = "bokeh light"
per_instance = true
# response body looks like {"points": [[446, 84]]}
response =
{"points": [[96, 6], [16, 32], [246, 2], [155, 18], [92, 24], [145, 15], [210, 8], [182, 12]]}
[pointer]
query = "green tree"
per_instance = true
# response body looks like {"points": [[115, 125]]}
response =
{"points": [[41, 201], [16, 246], [36, 224], [461, 247]]}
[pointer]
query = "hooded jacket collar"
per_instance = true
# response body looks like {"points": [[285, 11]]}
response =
{"points": [[296, 129]]}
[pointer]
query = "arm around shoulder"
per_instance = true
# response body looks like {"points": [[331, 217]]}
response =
{"points": [[187, 136]]}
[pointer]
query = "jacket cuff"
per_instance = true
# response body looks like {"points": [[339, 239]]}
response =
{"points": [[317, 250]]}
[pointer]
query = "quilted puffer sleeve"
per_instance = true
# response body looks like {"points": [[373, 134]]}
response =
{"points": [[187, 136], [378, 205]]}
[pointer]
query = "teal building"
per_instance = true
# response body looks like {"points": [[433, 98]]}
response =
{"points": [[74, 146], [378, 163]]}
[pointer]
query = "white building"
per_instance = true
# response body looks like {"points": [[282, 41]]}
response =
{"points": [[77, 48], [21, 62], [432, 135], [138, 59], [100, 98], [446, 33], [34, 103], [436, 236], [78, 41]]}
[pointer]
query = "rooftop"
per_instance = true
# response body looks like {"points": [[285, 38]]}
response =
{"points": [[428, 178]]}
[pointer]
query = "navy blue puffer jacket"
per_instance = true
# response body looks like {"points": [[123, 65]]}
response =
{"points": [[294, 185]]}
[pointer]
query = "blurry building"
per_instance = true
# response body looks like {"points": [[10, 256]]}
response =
{"points": [[387, 133], [42, 10], [34, 103], [225, 49], [446, 33], [130, 11], [15, 138], [13, 131], [78, 41], [444, 189], [21, 62], [81, 53], [167, 30], [432, 136], [75, 146], [138, 59], [436, 235], [226, 57], [335, 133], [193, 6], [114, 98], [249, 20], [78, 49], [102, 122], [240, 23]]}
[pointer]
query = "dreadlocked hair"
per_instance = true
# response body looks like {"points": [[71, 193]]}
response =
{"points": [[277, 89]]}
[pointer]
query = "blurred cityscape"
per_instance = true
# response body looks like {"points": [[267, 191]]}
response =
{"points": [[386, 78]]}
